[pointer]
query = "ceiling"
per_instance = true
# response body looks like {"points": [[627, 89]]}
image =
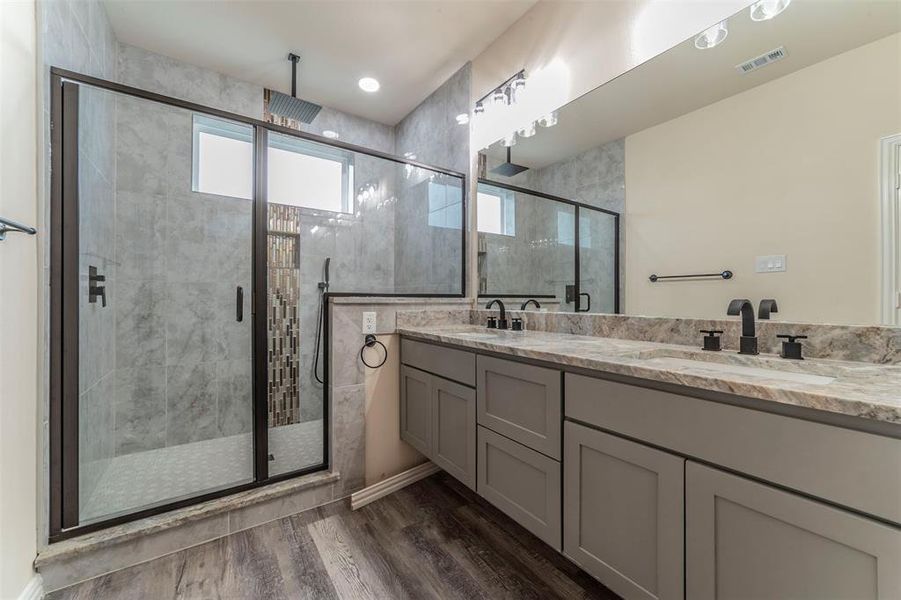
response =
{"points": [[686, 79], [410, 46]]}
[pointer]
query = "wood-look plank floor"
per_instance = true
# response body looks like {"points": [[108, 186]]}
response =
{"points": [[433, 539]]}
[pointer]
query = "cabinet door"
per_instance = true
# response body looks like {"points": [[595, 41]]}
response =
{"points": [[454, 429], [623, 513], [416, 409], [748, 540], [523, 483], [521, 402]]}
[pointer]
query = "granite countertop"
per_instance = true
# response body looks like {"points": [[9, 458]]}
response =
{"points": [[857, 389]]}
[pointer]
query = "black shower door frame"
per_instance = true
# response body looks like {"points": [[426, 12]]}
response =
{"points": [[577, 252], [64, 300]]}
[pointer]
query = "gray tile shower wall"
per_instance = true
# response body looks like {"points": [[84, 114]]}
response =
{"points": [[78, 36], [181, 255], [427, 257]]}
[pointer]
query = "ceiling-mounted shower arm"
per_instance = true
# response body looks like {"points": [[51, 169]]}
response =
{"points": [[294, 58]]}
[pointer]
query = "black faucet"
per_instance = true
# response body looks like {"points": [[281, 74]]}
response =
{"points": [[502, 322], [748, 341], [767, 306], [530, 301]]}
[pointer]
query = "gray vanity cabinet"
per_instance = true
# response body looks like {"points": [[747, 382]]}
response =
{"points": [[416, 409], [520, 401], [748, 540], [438, 418], [623, 513], [523, 483], [454, 429]]}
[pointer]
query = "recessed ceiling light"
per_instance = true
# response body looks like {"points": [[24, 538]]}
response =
{"points": [[369, 84], [764, 10], [712, 37], [330, 134], [462, 118]]}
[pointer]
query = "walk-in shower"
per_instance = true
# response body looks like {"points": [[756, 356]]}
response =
{"points": [[191, 254]]}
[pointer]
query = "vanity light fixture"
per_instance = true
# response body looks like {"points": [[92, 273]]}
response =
{"points": [[332, 135], [479, 109], [499, 97], [712, 37], [548, 120], [527, 131], [462, 118], [369, 84], [764, 10], [510, 140]]}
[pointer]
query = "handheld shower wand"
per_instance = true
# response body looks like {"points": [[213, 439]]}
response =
{"points": [[323, 290]]}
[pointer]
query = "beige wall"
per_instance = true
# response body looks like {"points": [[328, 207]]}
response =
{"points": [[570, 48], [386, 453], [789, 167], [18, 299]]}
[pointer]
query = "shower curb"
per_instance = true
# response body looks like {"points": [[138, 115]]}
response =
{"points": [[84, 557]]}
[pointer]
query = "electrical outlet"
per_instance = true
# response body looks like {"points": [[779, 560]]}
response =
{"points": [[770, 264], [369, 322]]}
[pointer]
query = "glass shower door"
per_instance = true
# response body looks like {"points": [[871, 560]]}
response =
{"points": [[598, 262], [164, 234]]}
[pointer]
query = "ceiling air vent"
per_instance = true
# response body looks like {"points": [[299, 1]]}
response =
{"points": [[761, 61]]}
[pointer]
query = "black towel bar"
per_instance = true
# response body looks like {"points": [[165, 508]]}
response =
{"points": [[723, 274]]}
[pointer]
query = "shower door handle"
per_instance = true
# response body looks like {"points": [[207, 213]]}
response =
{"points": [[239, 304]]}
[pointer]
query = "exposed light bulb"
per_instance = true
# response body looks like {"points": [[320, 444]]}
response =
{"points": [[499, 97], [333, 135], [527, 131], [548, 120], [764, 10], [510, 140], [712, 37], [479, 109], [462, 118]]}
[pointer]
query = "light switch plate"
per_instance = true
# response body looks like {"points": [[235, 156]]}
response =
{"points": [[771, 264], [369, 322]]}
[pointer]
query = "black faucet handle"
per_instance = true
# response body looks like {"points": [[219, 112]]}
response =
{"points": [[517, 324], [712, 339], [791, 348], [791, 338], [492, 323]]}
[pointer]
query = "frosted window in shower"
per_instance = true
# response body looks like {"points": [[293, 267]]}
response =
{"points": [[222, 158], [309, 175], [496, 211]]}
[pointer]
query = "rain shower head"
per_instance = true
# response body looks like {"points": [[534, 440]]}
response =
{"points": [[509, 169], [292, 107]]}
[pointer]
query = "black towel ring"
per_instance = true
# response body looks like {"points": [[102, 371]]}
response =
{"points": [[370, 341]]}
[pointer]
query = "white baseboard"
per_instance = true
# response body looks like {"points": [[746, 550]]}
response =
{"points": [[391, 485], [34, 590]]}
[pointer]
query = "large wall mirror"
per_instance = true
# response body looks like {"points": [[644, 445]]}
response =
{"points": [[767, 146]]}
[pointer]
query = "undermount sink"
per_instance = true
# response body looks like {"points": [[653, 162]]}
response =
{"points": [[480, 335], [726, 367]]}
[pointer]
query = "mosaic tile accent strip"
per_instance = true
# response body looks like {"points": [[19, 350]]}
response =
{"points": [[284, 315]]}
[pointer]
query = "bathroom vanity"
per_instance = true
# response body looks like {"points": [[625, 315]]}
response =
{"points": [[662, 472]]}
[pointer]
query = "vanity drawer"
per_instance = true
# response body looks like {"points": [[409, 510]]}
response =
{"points": [[523, 483], [520, 401], [856, 469], [450, 363]]}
